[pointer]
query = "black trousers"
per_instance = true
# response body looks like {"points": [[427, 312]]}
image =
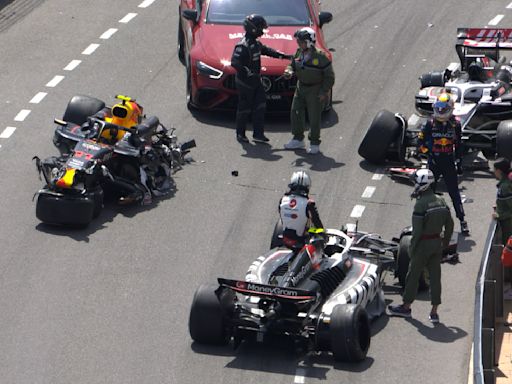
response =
{"points": [[445, 165], [251, 101]]}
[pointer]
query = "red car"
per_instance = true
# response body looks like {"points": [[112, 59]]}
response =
{"points": [[207, 34]]}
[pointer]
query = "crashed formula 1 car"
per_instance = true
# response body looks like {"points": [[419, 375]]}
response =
{"points": [[481, 88], [99, 156], [324, 301]]}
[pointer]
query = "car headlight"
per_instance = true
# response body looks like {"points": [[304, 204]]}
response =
{"points": [[209, 71]]}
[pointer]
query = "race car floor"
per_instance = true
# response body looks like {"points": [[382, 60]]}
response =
{"points": [[504, 344]]}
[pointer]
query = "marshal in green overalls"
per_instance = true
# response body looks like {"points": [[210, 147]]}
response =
{"points": [[315, 78], [430, 216]]}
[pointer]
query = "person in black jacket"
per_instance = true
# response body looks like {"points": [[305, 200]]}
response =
{"points": [[246, 60]]}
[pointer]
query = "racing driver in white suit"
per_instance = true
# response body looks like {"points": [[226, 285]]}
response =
{"points": [[298, 212]]}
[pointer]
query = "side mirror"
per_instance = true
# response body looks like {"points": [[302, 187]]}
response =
{"points": [[190, 14], [325, 17]]}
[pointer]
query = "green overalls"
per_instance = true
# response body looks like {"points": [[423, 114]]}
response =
{"points": [[504, 208], [430, 216], [315, 77]]}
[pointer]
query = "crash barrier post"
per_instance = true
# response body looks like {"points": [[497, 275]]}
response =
{"points": [[483, 336]]}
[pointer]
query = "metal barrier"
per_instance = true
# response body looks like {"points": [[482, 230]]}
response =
{"points": [[488, 306]]}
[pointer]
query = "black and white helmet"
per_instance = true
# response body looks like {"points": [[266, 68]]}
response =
{"points": [[300, 181], [423, 178], [306, 34]]}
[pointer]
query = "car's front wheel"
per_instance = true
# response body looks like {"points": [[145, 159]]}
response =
{"points": [[350, 333], [181, 42]]}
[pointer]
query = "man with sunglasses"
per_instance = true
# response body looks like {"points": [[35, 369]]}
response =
{"points": [[440, 140]]}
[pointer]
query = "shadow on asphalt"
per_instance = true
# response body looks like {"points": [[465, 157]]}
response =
{"points": [[438, 332]]}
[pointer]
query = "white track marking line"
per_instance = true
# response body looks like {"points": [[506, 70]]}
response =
{"points": [[56, 80], [496, 20], [146, 3], [509, 6], [22, 115], [108, 33], [72, 65], [38, 97], [7, 132], [90, 49], [299, 376], [368, 192], [127, 18], [379, 173], [357, 211]]}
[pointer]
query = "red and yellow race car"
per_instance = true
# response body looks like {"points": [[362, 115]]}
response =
{"points": [[207, 34]]}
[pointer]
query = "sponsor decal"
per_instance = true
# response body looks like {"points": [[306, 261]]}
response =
{"points": [[273, 36], [315, 61], [241, 284], [270, 290], [267, 83], [299, 276], [293, 203]]}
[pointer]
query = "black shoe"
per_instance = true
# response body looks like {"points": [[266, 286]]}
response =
{"points": [[261, 139], [242, 138], [464, 227]]}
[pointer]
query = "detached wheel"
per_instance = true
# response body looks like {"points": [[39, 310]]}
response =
{"points": [[384, 130], [402, 264], [432, 79], [80, 107], [207, 323], [504, 139], [349, 332], [277, 236]]}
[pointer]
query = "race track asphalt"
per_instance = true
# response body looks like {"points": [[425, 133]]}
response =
{"points": [[110, 304]]}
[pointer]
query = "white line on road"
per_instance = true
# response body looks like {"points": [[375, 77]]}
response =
{"points": [[378, 174], [299, 376], [496, 20], [72, 65], [8, 131], [108, 33], [357, 211], [56, 80], [509, 6], [368, 192], [128, 17], [146, 3], [90, 49], [22, 115], [38, 98]]}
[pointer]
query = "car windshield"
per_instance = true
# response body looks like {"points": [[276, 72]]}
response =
{"points": [[275, 12]]}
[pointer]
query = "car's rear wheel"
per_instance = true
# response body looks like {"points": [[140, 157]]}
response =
{"points": [[384, 130], [402, 264], [80, 107], [349, 332], [504, 139], [206, 323]]}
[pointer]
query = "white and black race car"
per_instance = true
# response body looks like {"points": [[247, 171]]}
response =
{"points": [[322, 300], [481, 86]]}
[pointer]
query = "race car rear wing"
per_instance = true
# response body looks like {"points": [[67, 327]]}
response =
{"points": [[473, 43], [273, 291]]}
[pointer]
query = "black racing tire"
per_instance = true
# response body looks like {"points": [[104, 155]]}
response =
{"points": [[402, 264], [382, 132], [80, 107], [277, 235], [206, 323], [181, 42], [504, 139], [97, 196], [349, 332], [65, 210], [432, 79]]}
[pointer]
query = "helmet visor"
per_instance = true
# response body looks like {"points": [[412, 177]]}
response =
{"points": [[442, 107]]}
